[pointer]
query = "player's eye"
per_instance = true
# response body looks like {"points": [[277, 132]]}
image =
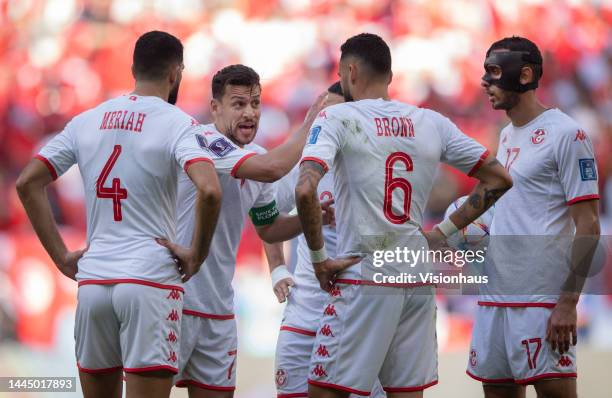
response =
{"points": [[495, 71]]}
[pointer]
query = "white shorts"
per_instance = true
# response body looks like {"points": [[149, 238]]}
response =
{"points": [[370, 332], [509, 346], [208, 353], [128, 325]]}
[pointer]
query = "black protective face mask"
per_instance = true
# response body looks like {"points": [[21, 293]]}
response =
{"points": [[511, 63]]}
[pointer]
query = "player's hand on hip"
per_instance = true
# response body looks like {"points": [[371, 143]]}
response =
{"points": [[69, 265], [328, 213], [282, 289], [184, 257], [327, 270], [315, 108], [561, 328]]}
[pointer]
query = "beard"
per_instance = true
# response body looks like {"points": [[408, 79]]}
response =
{"points": [[509, 101], [347, 96], [173, 96]]}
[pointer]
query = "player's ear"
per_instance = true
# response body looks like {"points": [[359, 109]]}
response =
{"points": [[214, 106], [526, 76], [175, 74], [390, 78]]}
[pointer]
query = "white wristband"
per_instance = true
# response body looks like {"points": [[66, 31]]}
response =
{"points": [[293, 212], [318, 256], [279, 273], [447, 227]]}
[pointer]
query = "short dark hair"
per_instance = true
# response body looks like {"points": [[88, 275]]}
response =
{"points": [[335, 88], [237, 75], [371, 49], [154, 53], [517, 43]]}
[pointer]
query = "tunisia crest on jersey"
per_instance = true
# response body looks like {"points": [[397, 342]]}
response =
{"points": [[538, 136]]}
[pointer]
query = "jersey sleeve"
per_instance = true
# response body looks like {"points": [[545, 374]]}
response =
{"points": [[459, 150], [187, 149], [226, 156], [576, 167], [285, 191], [324, 141], [60, 153]]}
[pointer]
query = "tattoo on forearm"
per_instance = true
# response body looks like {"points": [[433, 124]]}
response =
{"points": [[309, 209], [492, 195]]}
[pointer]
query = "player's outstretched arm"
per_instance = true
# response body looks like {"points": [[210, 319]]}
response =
{"points": [[273, 165], [561, 330], [494, 181], [31, 187], [309, 211], [207, 206], [282, 280]]}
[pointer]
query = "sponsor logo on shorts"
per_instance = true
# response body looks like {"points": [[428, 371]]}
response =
{"points": [[319, 371], [174, 295], [171, 337], [335, 291], [538, 136], [330, 310], [322, 351], [564, 361], [281, 377], [326, 331], [473, 358], [173, 316], [172, 357]]}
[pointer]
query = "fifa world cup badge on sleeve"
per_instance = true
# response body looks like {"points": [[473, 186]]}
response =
{"points": [[588, 172], [221, 147]]}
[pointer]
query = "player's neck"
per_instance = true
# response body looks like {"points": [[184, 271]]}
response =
{"points": [[151, 89], [526, 110], [373, 91]]}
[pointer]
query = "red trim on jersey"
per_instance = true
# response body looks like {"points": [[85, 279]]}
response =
{"points": [[48, 164], [188, 382], [410, 389], [293, 395], [208, 316], [546, 376], [196, 160], [135, 281], [151, 369], [232, 352], [495, 304], [298, 330], [239, 163], [479, 163], [337, 387], [313, 159], [481, 379], [98, 371], [582, 199], [372, 283]]}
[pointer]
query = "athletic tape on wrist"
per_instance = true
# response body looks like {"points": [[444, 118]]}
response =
{"points": [[279, 273], [318, 256], [447, 227]]}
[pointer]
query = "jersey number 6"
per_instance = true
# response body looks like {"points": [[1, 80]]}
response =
{"points": [[114, 192], [393, 183]]}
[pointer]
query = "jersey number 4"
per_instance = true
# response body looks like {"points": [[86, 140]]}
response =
{"points": [[393, 183], [114, 192]]}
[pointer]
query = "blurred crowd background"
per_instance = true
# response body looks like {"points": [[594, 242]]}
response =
{"points": [[60, 57]]}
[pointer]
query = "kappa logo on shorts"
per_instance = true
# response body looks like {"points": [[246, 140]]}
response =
{"points": [[171, 337], [319, 371], [326, 331], [335, 291], [473, 358], [172, 357], [173, 316], [330, 310], [174, 295], [564, 361], [280, 377], [322, 351]]}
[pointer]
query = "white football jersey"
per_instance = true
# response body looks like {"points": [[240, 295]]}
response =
{"points": [[285, 197], [129, 151], [384, 155], [209, 293], [552, 164]]}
